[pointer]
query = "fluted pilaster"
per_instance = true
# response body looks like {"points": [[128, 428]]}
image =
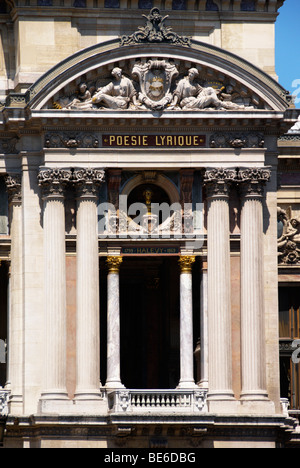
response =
{"points": [[15, 358]]}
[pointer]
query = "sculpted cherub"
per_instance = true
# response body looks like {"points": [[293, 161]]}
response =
{"points": [[83, 99]]}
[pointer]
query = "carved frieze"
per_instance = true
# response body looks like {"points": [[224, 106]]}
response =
{"points": [[151, 84], [71, 140], [8, 145], [237, 140]]}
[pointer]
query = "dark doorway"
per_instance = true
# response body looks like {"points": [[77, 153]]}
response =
{"points": [[149, 289]]}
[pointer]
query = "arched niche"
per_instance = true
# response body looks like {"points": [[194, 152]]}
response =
{"points": [[157, 179]]}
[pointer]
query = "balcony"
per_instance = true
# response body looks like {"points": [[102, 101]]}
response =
{"points": [[179, 401]]}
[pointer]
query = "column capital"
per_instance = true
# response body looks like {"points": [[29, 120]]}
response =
{"points": [[87, 180], [53, 181], [14, 186], [114, 263], [186, 263], [252, 181], [218, 181]]}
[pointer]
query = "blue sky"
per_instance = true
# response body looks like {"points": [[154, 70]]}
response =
{"points": [[287, 47]]}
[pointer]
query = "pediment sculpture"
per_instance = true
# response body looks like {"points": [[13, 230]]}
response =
{"points": [[155, 31], [152, 85]]}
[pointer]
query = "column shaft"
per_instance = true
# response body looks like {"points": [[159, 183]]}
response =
{"points": [[53, 182], [87, 287], [88, 325], [219, 285], [252, 297], [204, 330], [55, 298], [113, 324], [186, 324]]}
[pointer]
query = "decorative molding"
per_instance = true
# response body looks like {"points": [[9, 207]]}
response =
{"points": [[54, 181], [289, 137], [155, 31], [8, 145], [252, 181], [114, 263], [86, 181], [14, 187], [186, 263], [71, 140], [218, 181], [237, 140]]}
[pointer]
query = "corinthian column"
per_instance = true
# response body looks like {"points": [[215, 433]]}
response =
{"points": [[113, 323], [220, 394], [252, 183], [15, 359], [186, 323], [87, 285], [53, 182]]}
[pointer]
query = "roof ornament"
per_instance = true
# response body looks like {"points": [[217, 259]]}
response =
{"points": [[155, 31]]}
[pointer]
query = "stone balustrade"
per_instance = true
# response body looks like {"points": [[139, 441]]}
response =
{"points": [[4, 395], [158, 401]]}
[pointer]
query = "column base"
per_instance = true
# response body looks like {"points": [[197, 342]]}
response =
{"points": [[60, 395], [54, 403], [15, 405], [114, 385], [89, 403], [256, 403], [187, 384], [222, 403], [88, 395]]}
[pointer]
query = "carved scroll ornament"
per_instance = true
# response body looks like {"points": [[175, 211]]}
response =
{"points": [[155, 31]]}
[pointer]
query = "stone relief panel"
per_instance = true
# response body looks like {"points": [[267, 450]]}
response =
{"points": [[71, 140], [156, 85], [237, 140], [288, 238]]}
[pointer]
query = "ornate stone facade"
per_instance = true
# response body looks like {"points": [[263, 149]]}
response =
{"points": [[141, 178]]}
